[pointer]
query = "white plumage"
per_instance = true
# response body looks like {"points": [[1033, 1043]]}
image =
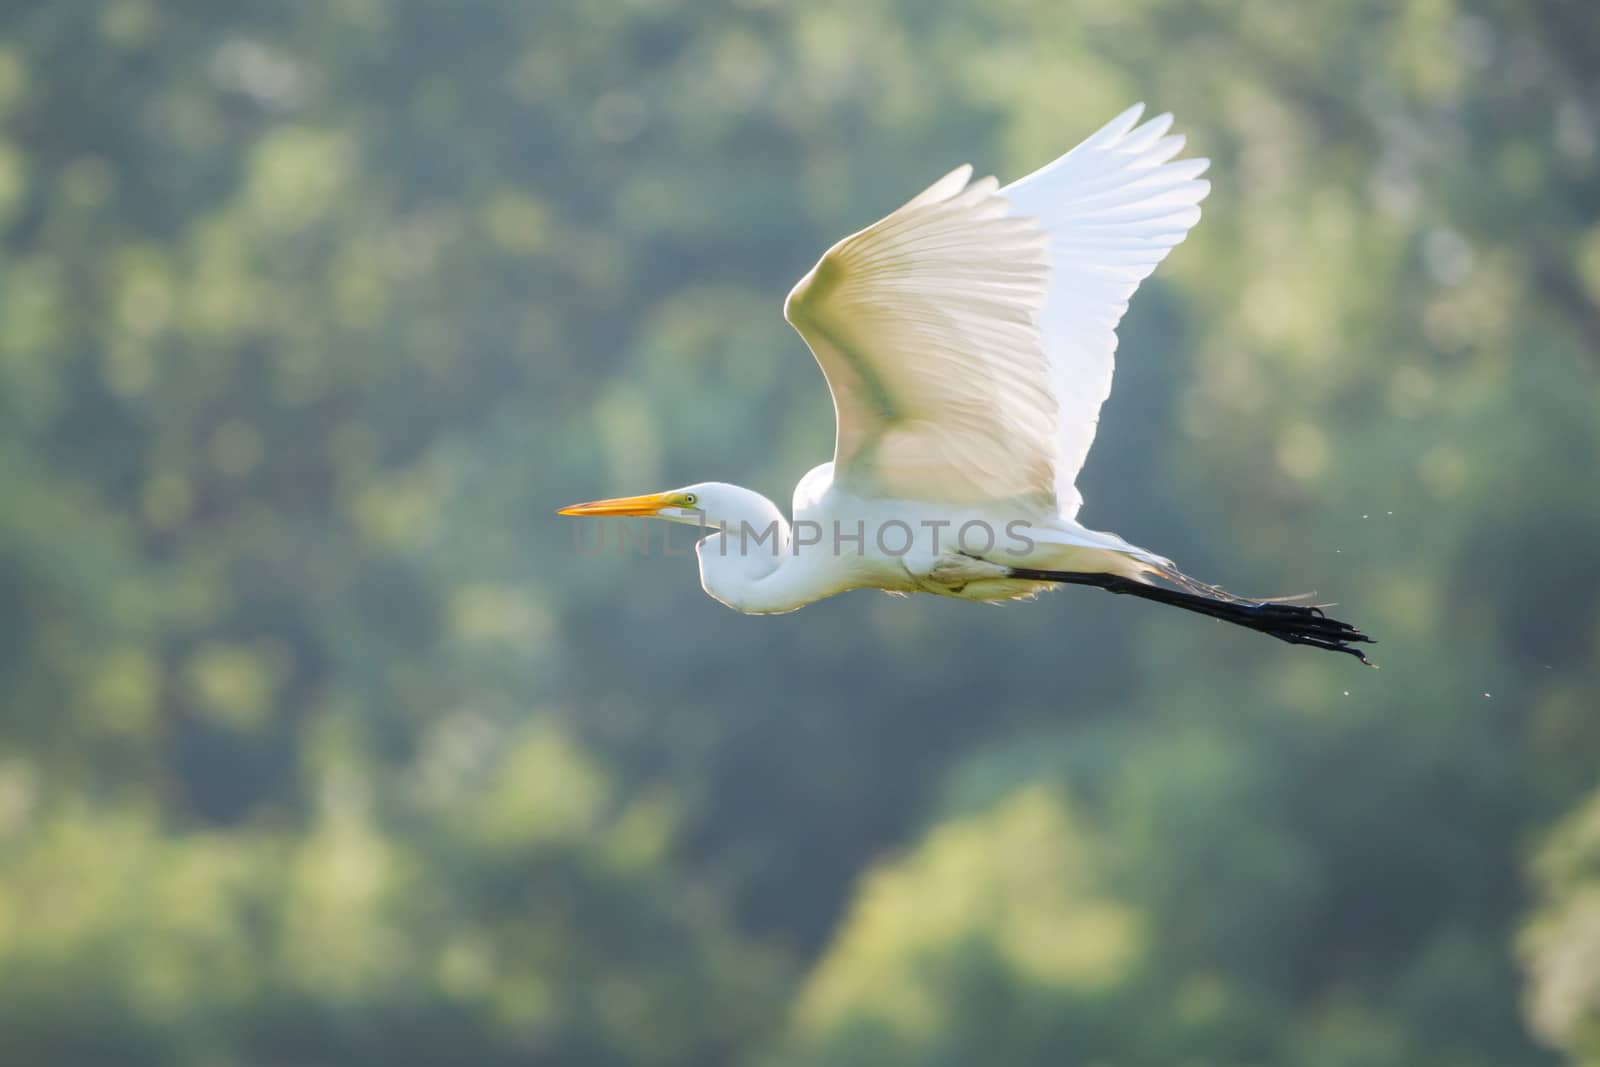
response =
{"points": [[1114, 207], [968, 339]]}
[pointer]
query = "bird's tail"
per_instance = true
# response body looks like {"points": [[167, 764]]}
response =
{"points": [[1296, 623]]}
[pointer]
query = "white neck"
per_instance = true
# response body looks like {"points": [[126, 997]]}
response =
{"points": [[749, 563], [748, 560]]}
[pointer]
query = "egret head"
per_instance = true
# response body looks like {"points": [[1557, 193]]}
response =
{"points": [[702, 504]]}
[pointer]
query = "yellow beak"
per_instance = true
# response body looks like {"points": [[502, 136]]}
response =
{"points": [[648, 504]]}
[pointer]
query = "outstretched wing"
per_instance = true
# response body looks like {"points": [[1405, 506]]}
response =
{"points": [[1113, 207], [969, 338], [926, 325]]}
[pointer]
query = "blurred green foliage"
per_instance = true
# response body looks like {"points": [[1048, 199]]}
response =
{"points": [[323, 744]]}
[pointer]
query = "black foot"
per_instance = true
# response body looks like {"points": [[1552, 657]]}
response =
{"points": [[1298, 624]]}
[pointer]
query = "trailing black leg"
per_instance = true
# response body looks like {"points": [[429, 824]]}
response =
{"points": [[1298, 624]]}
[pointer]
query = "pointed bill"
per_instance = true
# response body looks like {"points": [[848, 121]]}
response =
{"points": [[648, 504]]}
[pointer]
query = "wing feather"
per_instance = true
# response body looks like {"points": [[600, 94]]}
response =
{"points": [[1113, 207], [969, 338], [926, 325]]}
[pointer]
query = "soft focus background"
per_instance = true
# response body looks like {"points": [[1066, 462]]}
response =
{"points": [[321, 744]]}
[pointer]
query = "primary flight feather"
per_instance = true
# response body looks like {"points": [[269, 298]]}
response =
{"points": [[968, 340]]}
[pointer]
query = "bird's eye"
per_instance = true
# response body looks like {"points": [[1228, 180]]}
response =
{"points": [[690, 499]]}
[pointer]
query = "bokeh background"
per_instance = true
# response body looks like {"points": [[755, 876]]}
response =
{"points": [[322, 744]]}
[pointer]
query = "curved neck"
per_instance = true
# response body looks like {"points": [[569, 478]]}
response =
{"points": [[749, 563]]}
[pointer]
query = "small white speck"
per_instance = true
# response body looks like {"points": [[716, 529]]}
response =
{"points": [[1388, 513], [1365, 516], [1347, 692], [1338, 552], [1486, 694]]}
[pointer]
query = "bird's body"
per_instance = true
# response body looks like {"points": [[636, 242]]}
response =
{"points": [[968, 340], [756, 561]]}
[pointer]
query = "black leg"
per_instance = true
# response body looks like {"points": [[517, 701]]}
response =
{"points": [[1298, 624]]}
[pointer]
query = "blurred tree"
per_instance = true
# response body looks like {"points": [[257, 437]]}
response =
{"points": [[323, 744], [1562, 940]]}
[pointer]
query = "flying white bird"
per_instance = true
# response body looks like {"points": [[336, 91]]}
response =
{"points": [[968, 340]]}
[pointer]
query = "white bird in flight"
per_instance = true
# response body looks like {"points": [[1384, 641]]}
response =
{"points": [[968, 340]]}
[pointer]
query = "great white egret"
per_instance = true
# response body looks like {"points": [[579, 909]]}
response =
{"points": [[968, 342]]}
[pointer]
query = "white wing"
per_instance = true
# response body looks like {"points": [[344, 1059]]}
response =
{"points": [[969, 337], [926, 325], [1114, 207]]}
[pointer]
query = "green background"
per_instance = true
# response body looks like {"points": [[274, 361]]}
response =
{"points": [[322, 744]]}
